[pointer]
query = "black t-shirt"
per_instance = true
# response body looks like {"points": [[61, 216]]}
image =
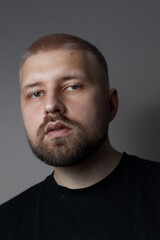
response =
{"points": [[125, 205]]}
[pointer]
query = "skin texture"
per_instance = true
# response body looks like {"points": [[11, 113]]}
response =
{"points": [[62, 84]]}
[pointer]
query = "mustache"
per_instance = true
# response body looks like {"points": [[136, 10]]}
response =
{"points": [[53, 118]]}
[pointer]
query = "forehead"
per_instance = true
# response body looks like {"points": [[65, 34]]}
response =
{"points": [[56, 60]]}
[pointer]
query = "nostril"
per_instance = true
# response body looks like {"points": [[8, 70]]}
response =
{"points": [[57, 110]]}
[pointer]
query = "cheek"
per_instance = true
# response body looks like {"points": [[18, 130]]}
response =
{"points": [[32, 119], [86, 111]]}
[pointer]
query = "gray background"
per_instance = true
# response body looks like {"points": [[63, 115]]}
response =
{"points": [[128, 34]]}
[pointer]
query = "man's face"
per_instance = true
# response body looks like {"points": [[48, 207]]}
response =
{"points": [[64, 107]]}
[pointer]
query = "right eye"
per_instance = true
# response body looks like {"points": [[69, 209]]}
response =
{"points": [[36, 94]]}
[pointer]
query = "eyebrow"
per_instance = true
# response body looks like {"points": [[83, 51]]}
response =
{"points": [[39, 83], [31, 85], [75, 76]]}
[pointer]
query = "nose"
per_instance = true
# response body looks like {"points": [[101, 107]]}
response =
{"points": [[54, 104]]}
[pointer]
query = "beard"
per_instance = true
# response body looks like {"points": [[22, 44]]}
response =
{"points": [[71, 149]]}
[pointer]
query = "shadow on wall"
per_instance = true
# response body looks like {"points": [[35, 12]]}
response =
{"points": [[146, 132]]}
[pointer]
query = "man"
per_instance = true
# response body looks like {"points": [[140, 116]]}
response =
{"points": [[95, 192]]}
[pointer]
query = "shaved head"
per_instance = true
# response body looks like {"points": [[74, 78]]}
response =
{"points": [[69, 42]]}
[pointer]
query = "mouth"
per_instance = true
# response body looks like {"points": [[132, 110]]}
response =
{"points": [[57, 130]]}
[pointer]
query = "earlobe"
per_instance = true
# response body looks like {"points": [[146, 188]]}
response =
{"points": [[113, 103]]}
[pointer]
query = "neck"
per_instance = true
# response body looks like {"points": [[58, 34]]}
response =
{"points": [[90, 171]]}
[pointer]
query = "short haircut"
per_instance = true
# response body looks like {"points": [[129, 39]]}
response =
{"points": [[69, 42]]}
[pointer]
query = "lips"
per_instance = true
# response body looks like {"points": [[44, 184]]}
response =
{"points": [[56, 130]]}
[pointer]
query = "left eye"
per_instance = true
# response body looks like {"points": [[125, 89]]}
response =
{"points": [[73, 87], [37, 94]]}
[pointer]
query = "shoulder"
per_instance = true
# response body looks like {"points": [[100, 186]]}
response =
{"points": [[20, 211], [138, 163], [24, 199], [143, 172]]}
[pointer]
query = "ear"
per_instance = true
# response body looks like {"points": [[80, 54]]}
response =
{"points": [[113, 103]]}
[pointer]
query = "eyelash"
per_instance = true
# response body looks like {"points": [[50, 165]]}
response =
{"points": [[74, 85], [33, 94], [40, 93]]}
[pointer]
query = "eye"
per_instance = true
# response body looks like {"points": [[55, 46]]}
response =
{"points": [[36, 94], [73, 87]]}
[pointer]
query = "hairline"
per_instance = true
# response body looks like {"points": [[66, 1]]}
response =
{"points": [[94, 63], [65, 42]]}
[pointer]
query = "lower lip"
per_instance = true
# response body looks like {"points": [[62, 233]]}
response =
{"points": [[59, 133]]}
